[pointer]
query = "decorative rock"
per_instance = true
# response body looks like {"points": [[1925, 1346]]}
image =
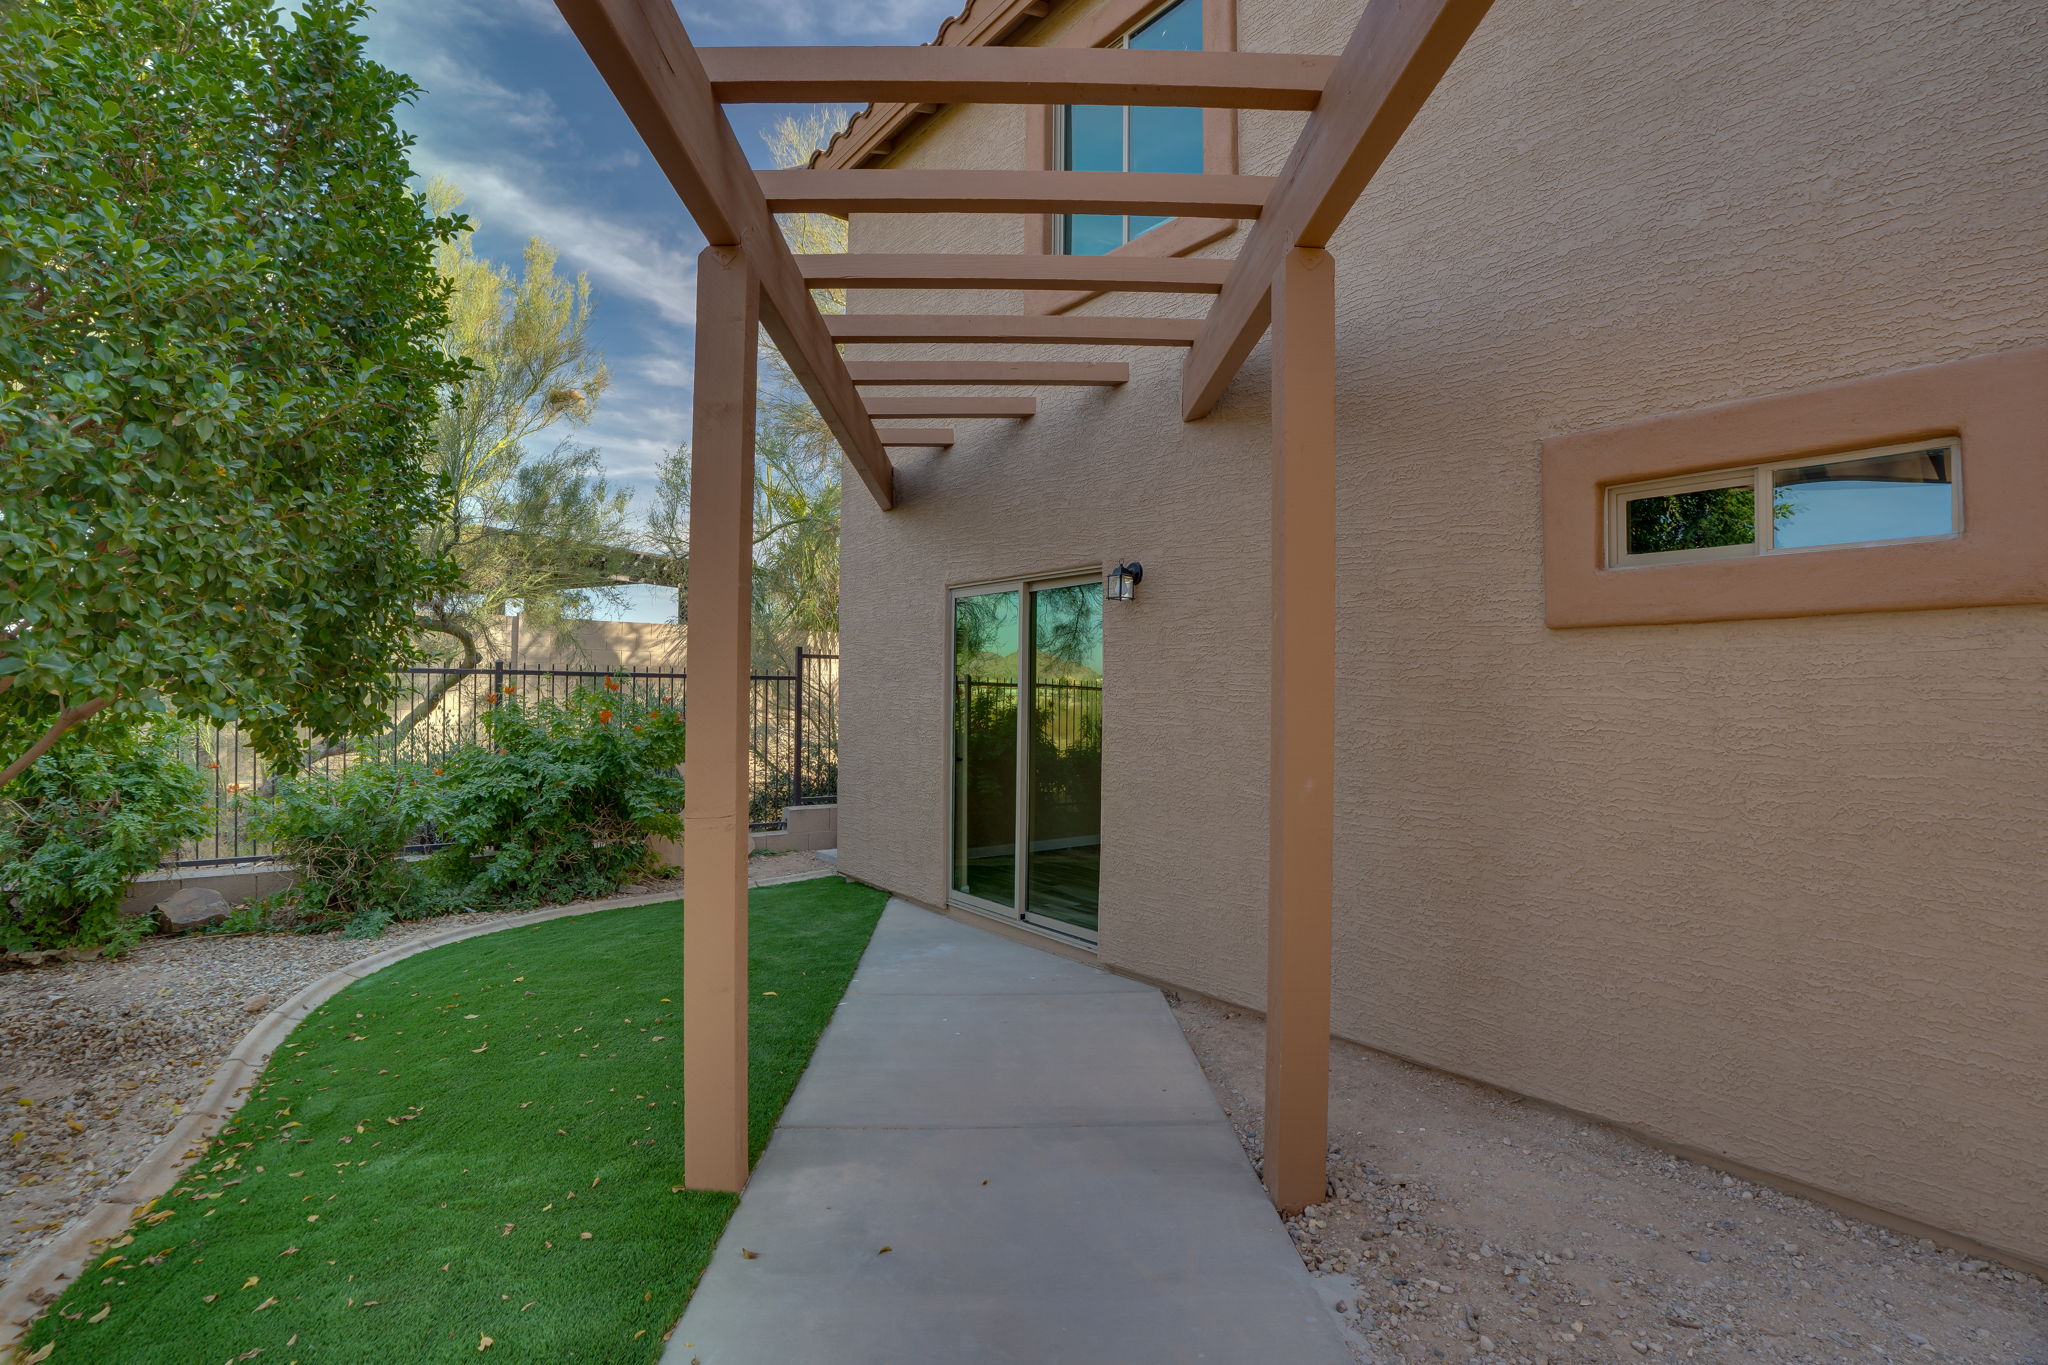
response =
{"points": [[192, 908]]}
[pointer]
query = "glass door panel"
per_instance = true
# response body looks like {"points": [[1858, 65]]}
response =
{"points": [[986, 659], [1063, 873]]}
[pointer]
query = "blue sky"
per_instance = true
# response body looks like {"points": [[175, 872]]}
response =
{"points": [[514, 113]]}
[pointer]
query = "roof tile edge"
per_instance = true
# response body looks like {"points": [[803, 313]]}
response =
{"points": [[979, 23]]}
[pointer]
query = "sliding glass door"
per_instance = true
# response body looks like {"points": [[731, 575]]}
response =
{"points": [[1027, 752]]}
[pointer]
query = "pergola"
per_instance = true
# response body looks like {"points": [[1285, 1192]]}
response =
{"points": [[1282, 278]]}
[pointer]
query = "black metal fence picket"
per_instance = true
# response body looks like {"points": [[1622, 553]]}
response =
{"points": [[794, 739]]}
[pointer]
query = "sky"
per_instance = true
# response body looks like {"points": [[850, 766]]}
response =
{"points": [[514, 114]]}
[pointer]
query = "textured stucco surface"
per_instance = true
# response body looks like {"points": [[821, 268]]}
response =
{"points": [[1773, 890]]}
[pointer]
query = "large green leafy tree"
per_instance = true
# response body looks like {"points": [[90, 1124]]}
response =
{"points": [[219, 370]]}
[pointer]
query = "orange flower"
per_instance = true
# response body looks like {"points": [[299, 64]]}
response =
{"points": [[612, 683], [604, 718], [213, 765], [510, 689]]}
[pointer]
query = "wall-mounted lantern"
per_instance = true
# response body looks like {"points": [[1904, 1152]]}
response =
{"points": [[1122, 583]]}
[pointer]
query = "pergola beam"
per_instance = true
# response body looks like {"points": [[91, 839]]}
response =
{"points": [[960, 270], [1043, 373], [1169, 194], [954, 406], [1015, 75], [644, 55], [1396, 56], [970, 328]]}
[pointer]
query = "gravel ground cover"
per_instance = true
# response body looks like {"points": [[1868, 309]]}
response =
{"points": [[477, 1147], [98, 1058], [1466, 1225]]}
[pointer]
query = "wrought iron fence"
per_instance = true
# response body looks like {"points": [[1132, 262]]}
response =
{"points": [[1069, 714], [794, 738]]}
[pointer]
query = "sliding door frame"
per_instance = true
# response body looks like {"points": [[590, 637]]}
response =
{"points": [[1026, 701]]}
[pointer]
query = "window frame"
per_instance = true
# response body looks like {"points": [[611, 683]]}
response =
{"points": [[1062, 223], [1618, 496]]}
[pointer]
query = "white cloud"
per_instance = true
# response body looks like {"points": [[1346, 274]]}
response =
{"points": [[624, 159], [485, 102], [405, 19], [669, 370], [856, 21], [622, 258]]}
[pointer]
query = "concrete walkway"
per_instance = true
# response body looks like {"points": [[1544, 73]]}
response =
{"points": [[999, 1156]]}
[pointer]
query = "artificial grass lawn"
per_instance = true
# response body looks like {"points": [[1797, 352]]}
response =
{"points": [[480, 1142]]}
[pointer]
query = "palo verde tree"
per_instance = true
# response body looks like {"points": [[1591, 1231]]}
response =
{"points": [[219, 369], [535, 527], [523, 525]]}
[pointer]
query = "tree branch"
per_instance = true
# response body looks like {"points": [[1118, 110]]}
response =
{"points": [[471, 657], [66, 719]]}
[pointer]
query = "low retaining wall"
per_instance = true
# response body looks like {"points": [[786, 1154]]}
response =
{"points": [[804, 827], [236, 882]]}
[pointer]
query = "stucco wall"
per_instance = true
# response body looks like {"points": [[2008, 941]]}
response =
{"points": [[593, 645], [1773, 890]]}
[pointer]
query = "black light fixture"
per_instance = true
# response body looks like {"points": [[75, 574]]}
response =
{"points": [[1122, 583]]}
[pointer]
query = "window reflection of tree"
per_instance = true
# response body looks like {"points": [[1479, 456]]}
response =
{"points": [[1692, 521], [984, 634]]}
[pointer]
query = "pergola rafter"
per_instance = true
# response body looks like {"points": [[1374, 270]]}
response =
{"points": [[1007, 406], [968, 328], [1163, 194], [1358, 104], [915, 436], [1015, 75], [1040, 373], [1122, 274]]}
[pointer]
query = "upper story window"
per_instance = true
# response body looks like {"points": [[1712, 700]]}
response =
{"points": [[1104, 137], [1864, 497]]}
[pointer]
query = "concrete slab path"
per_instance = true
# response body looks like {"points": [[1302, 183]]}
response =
{"points": [[999, 1156]]}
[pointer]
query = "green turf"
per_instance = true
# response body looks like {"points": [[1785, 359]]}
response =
{"points": [[480, 1141]]}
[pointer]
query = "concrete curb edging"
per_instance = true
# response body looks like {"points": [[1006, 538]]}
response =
{"points": [[37, 1281]]}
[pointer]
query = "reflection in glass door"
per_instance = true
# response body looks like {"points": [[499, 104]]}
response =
{"points": [[1055, 686], [1064, 834], [985, 746]]}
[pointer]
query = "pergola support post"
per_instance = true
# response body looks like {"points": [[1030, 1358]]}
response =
{"points": [[715, 775], [1303, 735]]}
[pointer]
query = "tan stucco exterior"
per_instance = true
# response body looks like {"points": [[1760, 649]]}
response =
{"points": [[645, 645], [1770, 890]]}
